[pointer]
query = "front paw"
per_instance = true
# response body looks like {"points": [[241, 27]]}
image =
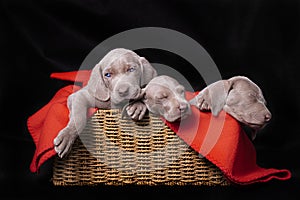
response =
{"points": [[63, 142], [200, 103], [136, 110], [204, 106]]}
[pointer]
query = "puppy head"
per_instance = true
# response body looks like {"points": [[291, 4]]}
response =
{"points": [[245, 102], [119, 76], [164, 96], [239, 97]]}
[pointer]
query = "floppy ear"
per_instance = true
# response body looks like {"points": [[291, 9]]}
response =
{"points": [[217, 94], [96, 85], [148, 72]]}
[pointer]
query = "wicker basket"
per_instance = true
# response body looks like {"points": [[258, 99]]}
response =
{"points": [[116, 151]]}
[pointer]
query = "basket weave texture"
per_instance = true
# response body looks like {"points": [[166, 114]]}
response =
{"points": [[116, 151]]}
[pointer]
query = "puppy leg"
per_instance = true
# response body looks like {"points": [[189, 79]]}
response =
{"points": [[77, 120]]}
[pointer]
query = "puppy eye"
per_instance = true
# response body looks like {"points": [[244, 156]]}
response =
{"points": [[108, 75], [131, 69], [162, 96]]}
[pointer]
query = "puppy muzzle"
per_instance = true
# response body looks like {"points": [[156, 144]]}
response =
{"points": [[124, 93]]}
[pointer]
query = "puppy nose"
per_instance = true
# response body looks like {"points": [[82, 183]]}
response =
{"points": [[123, 90], [183, 107], [268, 117]]}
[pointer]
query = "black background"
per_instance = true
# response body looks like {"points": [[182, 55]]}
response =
{"points": [[258, 38]]}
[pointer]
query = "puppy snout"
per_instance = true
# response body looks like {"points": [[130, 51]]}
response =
{"points": [[123, 90], [268, 117], [183, 107]]}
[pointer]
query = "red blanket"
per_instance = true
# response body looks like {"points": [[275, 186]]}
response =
{"points": [[219, 139]]}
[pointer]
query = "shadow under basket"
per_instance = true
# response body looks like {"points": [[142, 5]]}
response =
{"points": [[116, 151]]}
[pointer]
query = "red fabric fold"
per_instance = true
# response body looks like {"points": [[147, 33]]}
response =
{"points": [[45, 124], [222, 141], [219, 139], [81, 76]]}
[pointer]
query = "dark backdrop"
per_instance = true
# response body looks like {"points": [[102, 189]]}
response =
{"points": [[257, 38]]}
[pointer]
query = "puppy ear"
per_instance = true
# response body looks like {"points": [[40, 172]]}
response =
{"points": [[96, 85], [148, 71], [217, 95]]}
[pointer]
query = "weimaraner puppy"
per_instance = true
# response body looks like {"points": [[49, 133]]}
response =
{"points": [[115, 80], [164, 96], [239, 97]]}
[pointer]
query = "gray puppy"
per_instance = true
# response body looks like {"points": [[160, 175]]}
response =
{"points": [[238, 96], [115, 80], [164, 96]]}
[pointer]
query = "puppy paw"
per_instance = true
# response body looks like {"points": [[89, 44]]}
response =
{"points": [[136, 111], [204, 106], [63, 142], [200, 103]]}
